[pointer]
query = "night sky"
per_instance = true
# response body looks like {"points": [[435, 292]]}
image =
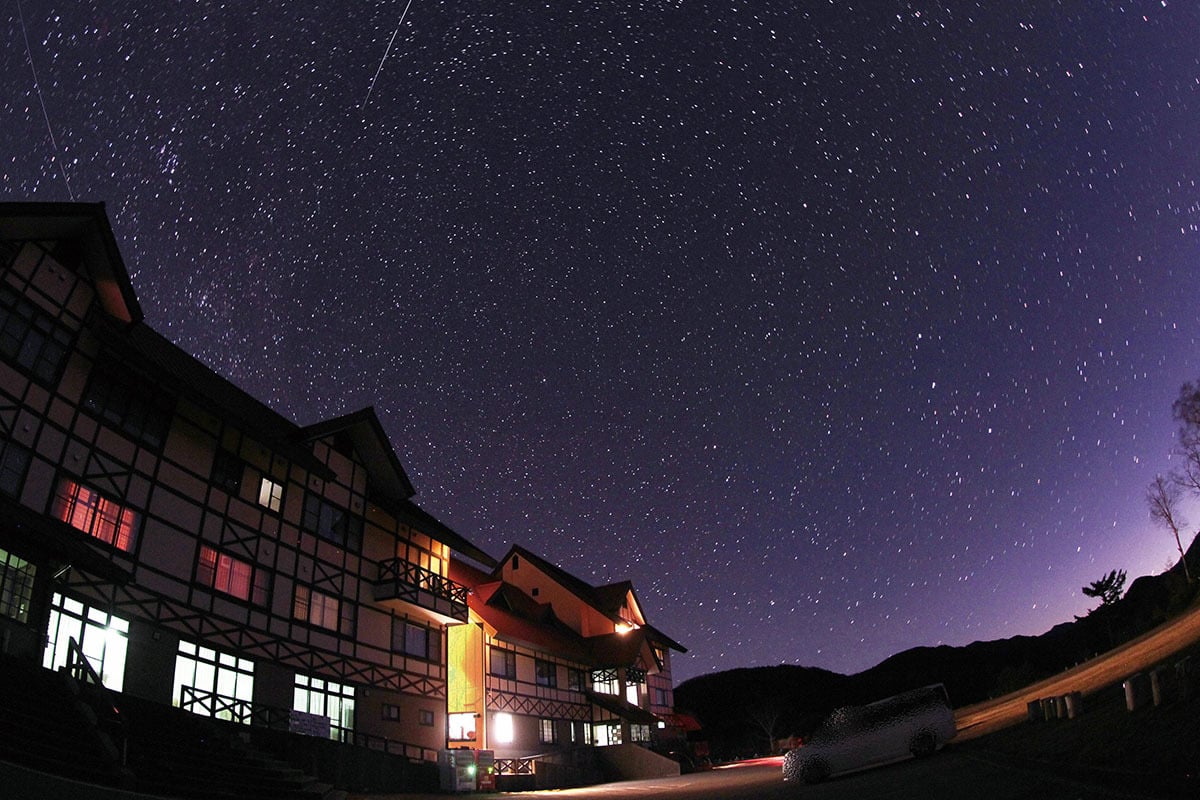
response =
{"points": [[837, 327]]}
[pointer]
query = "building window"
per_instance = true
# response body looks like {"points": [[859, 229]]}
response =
{"points": [[231, 575], [103, 638], [87, 510], [633, 693], [14, 462], [391, 713], [331, 523], [16, 586], [581, 732], [323, 698], [604, 681], [547, 731], [606, 733], [576, 682], [270, 494], [425, 718], [660, 697], [417, 640], [227, 472], [460, 726], [504, 663], [639, 733], [546, 673], [30, 339], [128, 403], [316, 607], [503, 728], [212, 683]]}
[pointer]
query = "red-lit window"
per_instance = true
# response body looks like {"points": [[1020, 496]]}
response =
{"points": [[96, 515], [230, 575]]}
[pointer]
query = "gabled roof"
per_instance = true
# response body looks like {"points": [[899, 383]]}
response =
{"points": [[388, 478], [606, 599], [125, 334], [87, 224]]}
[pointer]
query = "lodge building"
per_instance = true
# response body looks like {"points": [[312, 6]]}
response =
{"points": [[200, 550]]}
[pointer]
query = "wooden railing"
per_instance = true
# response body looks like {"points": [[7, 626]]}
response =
{"points": [[515, 766], [401, 579], [247, 712]]}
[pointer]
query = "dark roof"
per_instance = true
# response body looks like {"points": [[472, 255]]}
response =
{"points": [[87, 224], [389, 481], [183, 374], [622, 708]]}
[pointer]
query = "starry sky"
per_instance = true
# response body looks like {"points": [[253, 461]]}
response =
{"points": [[837, 327]]}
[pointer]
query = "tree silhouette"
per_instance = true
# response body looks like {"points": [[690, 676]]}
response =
{"points": [[1108, 588], [1162, 497]]}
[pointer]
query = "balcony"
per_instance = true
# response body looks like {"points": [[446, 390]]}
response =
{"points": [[404, 580]]}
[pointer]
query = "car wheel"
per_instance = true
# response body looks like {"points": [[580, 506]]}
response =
{"points": [[923, 744], [814, 770]]}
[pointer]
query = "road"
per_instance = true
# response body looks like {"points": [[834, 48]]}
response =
{"points": [[960, 770], [950, 775], [1106, 670]]}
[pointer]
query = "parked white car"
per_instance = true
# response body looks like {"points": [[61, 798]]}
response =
{"points": [[911, 724]]}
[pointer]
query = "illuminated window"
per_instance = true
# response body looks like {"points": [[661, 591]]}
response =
{"points": [[331, 523], [547, 731], [329, 699], [96, 515], [581, 732], [270, 494], [503, 728], [639, 733], [30, 339], [604, 681], [606, 733], [460, 727], [633, 693], [16, 586], [213, 683], [103, 638], [231, 575], [546, 673], [316, 607], [504, 663], [14, 462]]}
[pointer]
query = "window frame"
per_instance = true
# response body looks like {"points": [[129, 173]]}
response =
{"points": [[96, 514], [507, 660]]}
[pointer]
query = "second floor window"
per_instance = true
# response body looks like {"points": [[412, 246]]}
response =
{"points": [[30, 339], [546, 673], [504, 663], [604, 681], [417, 641], [228, 470], [85, 509], [576, 680], [331, 523], [230, 575], [316, 608]]}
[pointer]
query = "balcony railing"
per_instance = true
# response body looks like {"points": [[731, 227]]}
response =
{"points": [[403, 580], [246, 712]]}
